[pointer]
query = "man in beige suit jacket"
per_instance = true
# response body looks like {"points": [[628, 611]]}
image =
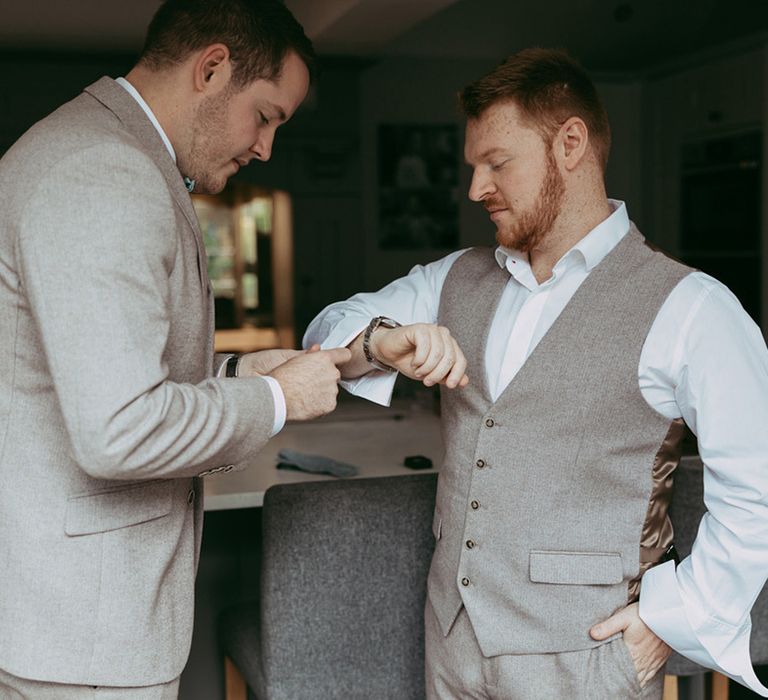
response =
{"points": [[110, 407]]}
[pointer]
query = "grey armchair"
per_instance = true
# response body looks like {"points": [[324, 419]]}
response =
{"points": [[343, 587]]}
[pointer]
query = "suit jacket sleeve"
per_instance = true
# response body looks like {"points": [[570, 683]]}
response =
{"points": [[96, 246]]}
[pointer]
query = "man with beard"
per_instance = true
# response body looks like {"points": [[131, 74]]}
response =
{"points": [[588, 352], [109, 407]]}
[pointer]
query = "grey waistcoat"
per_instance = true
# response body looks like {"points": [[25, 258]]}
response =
{"points": [[543, 495]]}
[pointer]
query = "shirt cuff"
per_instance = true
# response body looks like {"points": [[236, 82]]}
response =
{"points": [[279, 400], [700, 638], [376, 385], [342, 334]]}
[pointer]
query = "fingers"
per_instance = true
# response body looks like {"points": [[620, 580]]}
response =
{"points": [[422, 342], [310, 382], [338, 356], [457, 375], [649, 657], [437, 358], [440, 357], [648, 652], [254, 364], [616, 623], [422, 351]]}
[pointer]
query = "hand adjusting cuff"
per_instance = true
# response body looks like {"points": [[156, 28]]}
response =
{"points": [[372, 326]]}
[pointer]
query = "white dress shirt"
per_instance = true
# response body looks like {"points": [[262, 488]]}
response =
{"points": [[277, 391], [704, 360]]}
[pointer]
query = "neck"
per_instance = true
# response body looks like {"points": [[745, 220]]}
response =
{"points": [[566, 233], [576, 220], [161, 91]]}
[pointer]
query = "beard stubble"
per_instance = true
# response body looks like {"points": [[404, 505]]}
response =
{"points": [[533, 225]]}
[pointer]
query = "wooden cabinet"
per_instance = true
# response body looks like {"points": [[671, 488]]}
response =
{"points": [[248, 234], [695, 115]]}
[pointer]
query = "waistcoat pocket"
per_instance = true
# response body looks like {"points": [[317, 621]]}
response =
{"points": [[575, 568]]}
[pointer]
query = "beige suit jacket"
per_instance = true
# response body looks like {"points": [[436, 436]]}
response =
{"points": [[108, 411]]}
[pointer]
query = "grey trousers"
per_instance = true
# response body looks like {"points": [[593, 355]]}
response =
{"points": [[456, 668], [14, 688]]}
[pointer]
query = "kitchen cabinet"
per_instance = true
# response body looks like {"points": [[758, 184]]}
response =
{"points": [[248, 235], [699, 119]]}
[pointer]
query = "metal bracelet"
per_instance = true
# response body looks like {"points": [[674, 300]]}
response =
{"points": [[233, 362], [372, 326]]}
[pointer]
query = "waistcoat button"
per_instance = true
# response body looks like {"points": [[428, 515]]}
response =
{"points": [[489, 423], [480, 463], [191, 497], [475, 505], [470, 544], [465, 581]]}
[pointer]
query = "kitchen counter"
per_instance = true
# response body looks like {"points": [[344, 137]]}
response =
{"points": [[376, 439]]}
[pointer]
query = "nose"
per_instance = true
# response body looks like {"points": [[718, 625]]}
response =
{"points": [[481, 186], [262, 147]]}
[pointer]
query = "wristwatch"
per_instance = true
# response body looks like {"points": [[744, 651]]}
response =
{"points": [[372, 326]]}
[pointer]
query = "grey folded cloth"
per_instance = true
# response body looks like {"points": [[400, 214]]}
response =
{"points": [[316, 464]]}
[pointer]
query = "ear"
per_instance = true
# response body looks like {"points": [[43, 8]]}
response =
{"points": [[572, 142], [212, 68]]}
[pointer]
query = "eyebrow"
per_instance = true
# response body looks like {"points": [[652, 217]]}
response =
{"points": [[492, 151], [489, 152]]}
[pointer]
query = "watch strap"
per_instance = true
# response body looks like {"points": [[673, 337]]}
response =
{"points": [[231, 366], [372, 326]]}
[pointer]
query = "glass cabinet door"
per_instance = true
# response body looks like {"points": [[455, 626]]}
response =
{"points": [[239, 227]]}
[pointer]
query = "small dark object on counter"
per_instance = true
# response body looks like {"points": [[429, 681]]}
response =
{"points": [[418, 462], [316, 464]]}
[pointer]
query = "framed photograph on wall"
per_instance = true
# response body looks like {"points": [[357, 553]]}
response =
{"points": [[418, 186]]}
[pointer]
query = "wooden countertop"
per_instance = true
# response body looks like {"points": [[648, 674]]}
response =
{"points": [[373, 438], [251, 339]]}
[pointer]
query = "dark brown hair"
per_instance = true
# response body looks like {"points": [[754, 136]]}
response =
{"points": [[258, 34], [548, 87]]}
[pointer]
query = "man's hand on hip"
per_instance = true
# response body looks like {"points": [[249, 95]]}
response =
{"points": [[648, 652], [310, 382], [422, 351]]}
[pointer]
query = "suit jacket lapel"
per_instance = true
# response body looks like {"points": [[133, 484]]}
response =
{"points": [[129, 112]]}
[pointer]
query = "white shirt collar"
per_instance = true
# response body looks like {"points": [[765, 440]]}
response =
{"points": [[133, 92], [600, 241]]}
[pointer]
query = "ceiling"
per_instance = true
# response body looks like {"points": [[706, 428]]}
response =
{"points": [[607, 35]]}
